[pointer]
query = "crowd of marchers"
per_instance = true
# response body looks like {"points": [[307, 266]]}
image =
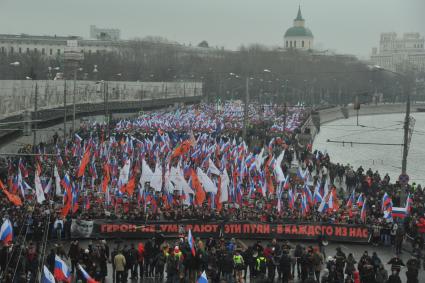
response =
{"points": [[137, 171]]}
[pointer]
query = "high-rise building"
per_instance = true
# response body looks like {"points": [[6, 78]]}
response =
{"points": [[298, 36], [104, 33], [399, 54]]}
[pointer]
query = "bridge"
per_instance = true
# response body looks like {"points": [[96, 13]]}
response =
{"points": [[54, 101]]}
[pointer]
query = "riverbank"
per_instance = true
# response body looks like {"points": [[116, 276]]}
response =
{"points": [[383, 132], [329, 115], [335, 113]]}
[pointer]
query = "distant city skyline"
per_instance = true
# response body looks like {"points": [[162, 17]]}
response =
{"points": [[351, 26]]}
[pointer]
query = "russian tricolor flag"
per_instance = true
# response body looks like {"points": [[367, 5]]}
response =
{"points": [[304, 205], [66, 183], [317, 196], [6, 232], [47, 276], [203, 278], [399, 212], [191, 242], [360, 200], [363, 213], [286, 184], [324, 204], [386, 201], [308, 194], [291, 199], [302, 174], [388, 213], [61, 271], [86, 275], [351, 199]]}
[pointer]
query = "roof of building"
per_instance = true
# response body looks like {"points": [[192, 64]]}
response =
{"points": [[298, 31], [38, 37], [299, 16]]}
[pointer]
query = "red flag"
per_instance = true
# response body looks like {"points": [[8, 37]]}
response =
{"points": [[129, 187], [38, 168], [10, 184], [269, 181], [199, 190], [87, 205], [12, 197], [183, 148], [75, 207], [65, 209], [218, 196], [84, 162], [67, 198], [106, 177]]}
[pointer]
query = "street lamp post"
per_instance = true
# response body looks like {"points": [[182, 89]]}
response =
{"points": [[73, 97], [64, 110], [245, 114], [406, 132], [406, 89], [34, 141], [246, 102]]}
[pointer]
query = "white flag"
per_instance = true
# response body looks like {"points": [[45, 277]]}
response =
{"points": [[156, 180], [260, 158], [207, 183], [225, 181], [38, 189], [212, 168], [48, 187], [176, 176], [280, 177], [146, 175], [124, 173], [57, 182]]}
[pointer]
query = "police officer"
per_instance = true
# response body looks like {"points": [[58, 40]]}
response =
{"points": [[239, 264], [261, 266]]}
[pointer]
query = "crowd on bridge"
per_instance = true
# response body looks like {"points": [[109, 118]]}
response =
{"points": [[230, 261], [192, 164]]}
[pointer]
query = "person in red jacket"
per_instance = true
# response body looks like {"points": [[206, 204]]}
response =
{"points": [[356, 276], [140, 258], [421, 225]]}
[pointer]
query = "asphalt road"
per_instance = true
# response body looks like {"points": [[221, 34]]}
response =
{"points": [[385, 254]]}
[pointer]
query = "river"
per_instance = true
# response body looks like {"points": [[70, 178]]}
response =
{"points": [[387, 128]]}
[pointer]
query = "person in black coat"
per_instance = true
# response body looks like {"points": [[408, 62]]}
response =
{"points": [[213, 270], [131, 258], [394, 277], [227, 267], [285, 266], [248, 256], [149, 254], [50, 260], [74, 254]]}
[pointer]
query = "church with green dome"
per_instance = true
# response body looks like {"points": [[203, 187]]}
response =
{"points": [[298, 36]]}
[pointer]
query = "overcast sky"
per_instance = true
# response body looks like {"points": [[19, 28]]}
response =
{"points": [[347, 26]]}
